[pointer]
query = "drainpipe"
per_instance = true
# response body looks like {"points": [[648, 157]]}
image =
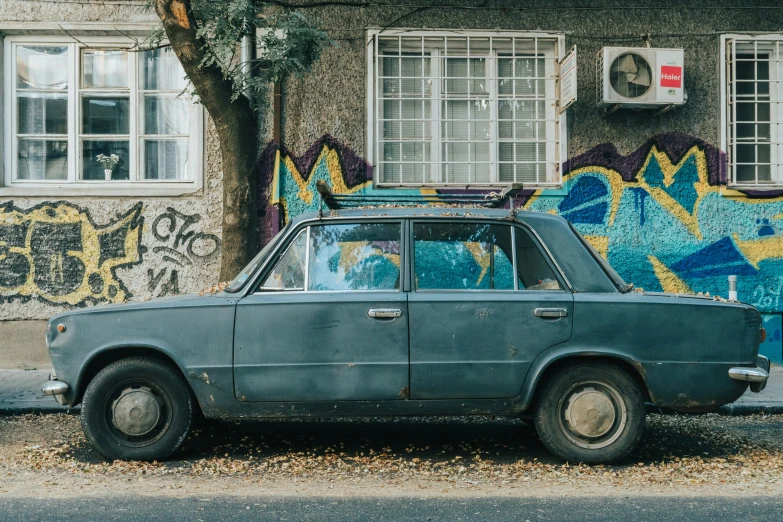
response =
{"points": [[247, 51], [277, 115], [732, 288]]}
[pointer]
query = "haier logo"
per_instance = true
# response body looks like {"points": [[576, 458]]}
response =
{"points": [[671, 76]]}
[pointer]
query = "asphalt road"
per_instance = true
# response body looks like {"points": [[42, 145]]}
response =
{"points": [[385, 509]]}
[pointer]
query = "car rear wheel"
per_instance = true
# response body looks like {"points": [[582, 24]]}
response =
{"points": [[137, 408], [590, 412]]}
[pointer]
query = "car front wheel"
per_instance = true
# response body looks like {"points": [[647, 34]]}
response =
{"points": [[590, 412], [138, 408]]}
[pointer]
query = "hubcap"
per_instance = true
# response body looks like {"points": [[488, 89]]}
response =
{"points": [[136, 411], [590, 413]]}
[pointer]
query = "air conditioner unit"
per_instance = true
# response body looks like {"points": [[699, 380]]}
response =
{"points": [[640, 78]]}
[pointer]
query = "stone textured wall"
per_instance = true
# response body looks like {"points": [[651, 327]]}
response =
{"points": [[56, 254], [649, 192]]}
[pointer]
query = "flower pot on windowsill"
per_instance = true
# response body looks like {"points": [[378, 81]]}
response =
{"points": [[107, 173]]}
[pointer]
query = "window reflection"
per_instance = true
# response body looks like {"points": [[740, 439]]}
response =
{"points": [[463, 256], [355, 257]]}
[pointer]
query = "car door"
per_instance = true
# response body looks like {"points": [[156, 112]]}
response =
{"points": [[329, 321], [486, 301]]}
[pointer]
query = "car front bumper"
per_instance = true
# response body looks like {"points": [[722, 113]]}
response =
{"points": [[55, 388], [757, 377]]}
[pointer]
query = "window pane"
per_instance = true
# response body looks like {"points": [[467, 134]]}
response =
{"points": [[166, 115], [93, 169], [160, 69], [355, 257], [463, 256], [532, 268], [166, 159], [42, 113], [105, 69], [42, 159], [41, 67], [105, 115], [288, 274]]}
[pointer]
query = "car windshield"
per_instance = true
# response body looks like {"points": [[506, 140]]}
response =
{"points": [[239, 281], [621, 285]]}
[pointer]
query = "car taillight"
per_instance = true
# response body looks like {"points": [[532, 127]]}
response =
{"points": [[763, 335]]}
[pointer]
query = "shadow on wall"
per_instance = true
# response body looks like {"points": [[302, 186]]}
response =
{"points": [[661, 215]]}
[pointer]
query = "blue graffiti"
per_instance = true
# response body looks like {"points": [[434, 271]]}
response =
{"points": [[580, 205], [719, 258]]}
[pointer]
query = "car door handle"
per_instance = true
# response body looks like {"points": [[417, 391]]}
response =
{"points": [[550, 312], [384, 313]]}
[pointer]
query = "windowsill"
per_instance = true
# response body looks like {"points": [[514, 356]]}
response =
{"points": [[94, 190], [776, 187]]}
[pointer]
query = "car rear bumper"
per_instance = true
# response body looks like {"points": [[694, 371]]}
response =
{"points": [[757, 376]]}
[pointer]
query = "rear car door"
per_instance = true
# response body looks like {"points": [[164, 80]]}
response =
{"points": [[329, 321], [485, 301]]}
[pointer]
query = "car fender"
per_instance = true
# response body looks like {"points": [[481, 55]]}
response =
{"points": [[567, 351]]}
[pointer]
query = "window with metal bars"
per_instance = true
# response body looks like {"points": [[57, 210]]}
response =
{"points": [[465, 110], [753, 110]]}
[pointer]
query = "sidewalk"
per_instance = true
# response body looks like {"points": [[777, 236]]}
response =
{"points": [[20, 392]]}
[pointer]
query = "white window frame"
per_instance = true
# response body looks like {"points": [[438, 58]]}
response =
{"points": [[727, 115], [559, 147], [74, 186]]}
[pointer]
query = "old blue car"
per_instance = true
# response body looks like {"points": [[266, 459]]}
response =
{"points": [[408, 311]]}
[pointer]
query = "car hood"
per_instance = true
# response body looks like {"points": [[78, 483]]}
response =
{"points": [[174, 301]]}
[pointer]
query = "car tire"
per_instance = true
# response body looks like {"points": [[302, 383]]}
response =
{"points": [[138, 408], [592, 413]]}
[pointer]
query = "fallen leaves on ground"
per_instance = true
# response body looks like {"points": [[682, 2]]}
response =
{"points": [[676, 450]]}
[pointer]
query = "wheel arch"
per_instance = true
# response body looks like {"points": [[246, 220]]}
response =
{"points": [[550, 364], [105, 357]]}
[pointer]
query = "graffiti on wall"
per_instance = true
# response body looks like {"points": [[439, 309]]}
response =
{"points": [[666, 221], [663, 215], [54, 251], [180, 245]]}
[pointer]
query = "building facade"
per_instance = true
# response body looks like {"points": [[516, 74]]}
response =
{"points": [[413, 98]]}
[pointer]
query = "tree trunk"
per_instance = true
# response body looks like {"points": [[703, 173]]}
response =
{"points": [[237, 129]]}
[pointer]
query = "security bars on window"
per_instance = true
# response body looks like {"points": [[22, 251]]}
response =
{"points": [[755, 110], [466, 110]]}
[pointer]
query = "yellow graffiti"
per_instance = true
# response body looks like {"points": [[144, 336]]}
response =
{"points": [[668, 279], [307, 190], [97, 277], [481, 255], [600, 243], [352, 253], [757, 250]]}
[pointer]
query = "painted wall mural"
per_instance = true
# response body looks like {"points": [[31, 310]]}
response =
{"points": [[55, 252], [662, 215], [180, 246]]}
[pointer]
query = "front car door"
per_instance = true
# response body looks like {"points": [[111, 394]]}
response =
{"points": [[486, 301], [329, 320]]}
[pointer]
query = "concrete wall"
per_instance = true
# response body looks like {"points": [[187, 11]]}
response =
{"points": [[649, 192], [59, 253]]}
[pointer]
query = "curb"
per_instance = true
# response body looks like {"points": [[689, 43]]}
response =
{"points": [[42, 410], [751, 409]]}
